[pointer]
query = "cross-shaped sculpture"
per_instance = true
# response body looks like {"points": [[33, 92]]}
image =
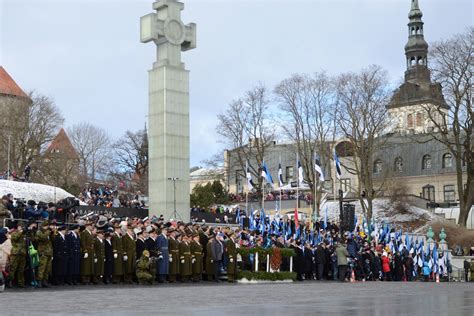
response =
{"points": [[168, 32]]}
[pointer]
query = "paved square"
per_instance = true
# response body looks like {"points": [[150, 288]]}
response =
{"points": [[309, 298]]}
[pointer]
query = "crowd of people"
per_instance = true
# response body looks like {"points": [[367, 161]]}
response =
{"points": [[100, 250], [107, 197]]}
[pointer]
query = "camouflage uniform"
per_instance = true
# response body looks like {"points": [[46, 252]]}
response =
{"points": [[18, 257], [45, 250], [144, 269]]}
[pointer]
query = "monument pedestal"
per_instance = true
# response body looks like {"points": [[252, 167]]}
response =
{"points": [[169, 141]]}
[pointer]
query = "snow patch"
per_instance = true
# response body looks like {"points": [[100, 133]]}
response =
{"points": [[33, 191]]}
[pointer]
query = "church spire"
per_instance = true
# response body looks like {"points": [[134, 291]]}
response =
{"points": [[416, 50]]}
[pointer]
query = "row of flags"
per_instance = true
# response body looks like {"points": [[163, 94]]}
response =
{"points": [[266, 175]]}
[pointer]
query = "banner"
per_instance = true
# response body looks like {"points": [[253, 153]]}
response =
{"points": [[115, 212]]}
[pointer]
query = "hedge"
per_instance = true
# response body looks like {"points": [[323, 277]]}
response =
{"points": [[267, 276], [285, 252]]}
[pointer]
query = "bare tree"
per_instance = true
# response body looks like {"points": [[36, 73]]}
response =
{"points": [[131, 156], [30, 125], [308, 116], [362, 118], [246, 127], [93, 146], [453, 66]]}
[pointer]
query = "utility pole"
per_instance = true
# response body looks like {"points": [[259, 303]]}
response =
{"points": [[9, 144]]}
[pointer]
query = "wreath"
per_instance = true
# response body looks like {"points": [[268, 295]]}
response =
{"points": [[275, 259]]}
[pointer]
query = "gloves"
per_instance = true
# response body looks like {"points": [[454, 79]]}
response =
{"points": [[125, 258], [161, 258], [231, 260], [86, 255], [194, 261], [182, 261], [104, 259], [115, 256], [95, 260], [212, 261], [171, 259]]}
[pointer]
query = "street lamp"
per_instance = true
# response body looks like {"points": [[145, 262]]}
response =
{"points": [[175, 213]]}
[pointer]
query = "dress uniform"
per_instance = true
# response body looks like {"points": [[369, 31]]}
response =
{"points": [[231, 253], [117, 249], [99, 257], [163, 255], [196, 258], [73, 264], [209, 261], [45, 250], [88, 252], [129, 255], [59, 256], [109, 257], [185, 266], [18, 256], [173, 246]]}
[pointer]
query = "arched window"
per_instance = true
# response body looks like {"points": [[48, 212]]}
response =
{"points": [[426, 162], [447, 160], [410, 120], [398, 165], [378, 165]]}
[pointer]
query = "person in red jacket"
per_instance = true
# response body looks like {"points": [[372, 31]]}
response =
{"points": [[386, 267]]}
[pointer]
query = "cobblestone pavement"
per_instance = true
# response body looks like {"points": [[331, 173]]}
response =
{"points": [[306, 298]]}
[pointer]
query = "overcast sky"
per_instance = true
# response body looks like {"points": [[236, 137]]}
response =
{"points": [[87, 54]]}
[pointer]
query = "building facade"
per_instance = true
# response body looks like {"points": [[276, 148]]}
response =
{"points": [[407, 157]]}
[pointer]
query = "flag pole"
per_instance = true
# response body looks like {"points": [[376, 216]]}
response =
{"points": [[314, 174], [247, 193], [263, 190], [298, 183], [280, 184]]}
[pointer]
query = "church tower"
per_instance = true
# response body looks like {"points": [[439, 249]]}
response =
{"points": [[417, 96]]}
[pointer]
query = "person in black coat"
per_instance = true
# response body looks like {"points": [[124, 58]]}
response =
{"points": [[59, 268], [109, 258], [150, 244], [308, 261], [320, 261], [298, 260], [73, 243], [140, 243]]}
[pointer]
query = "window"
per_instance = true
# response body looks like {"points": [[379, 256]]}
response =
{"points": [[378, 165], [449, 193], [238, 181], [426, 162], [398, 165], [419, 119], [410, 120], [346, 185], [429, 192], [447, 160], [289, 174]]}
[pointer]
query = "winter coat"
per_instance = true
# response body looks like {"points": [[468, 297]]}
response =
{"points": [[196, 255], [73, 246], [87, 249], [5, 250], [385, 264], [163, 263], [342, 255], [231, 253], [4, 213]]}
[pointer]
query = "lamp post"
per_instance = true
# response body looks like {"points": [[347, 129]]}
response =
{"points": [[175, 213]]}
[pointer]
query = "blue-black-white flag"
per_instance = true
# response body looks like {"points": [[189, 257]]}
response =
{"points": [[337, 165], [266, 174], [300, 174], [280, 176], [250, 184], [318, 169]]}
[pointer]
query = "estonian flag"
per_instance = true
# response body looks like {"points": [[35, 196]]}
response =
{"points": [[300, 174], [280, 176], [317, 168], [266, 174], [250, 185], [338, 165]]}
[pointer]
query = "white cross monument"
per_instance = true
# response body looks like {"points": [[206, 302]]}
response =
{"points": [[168, 114]]}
